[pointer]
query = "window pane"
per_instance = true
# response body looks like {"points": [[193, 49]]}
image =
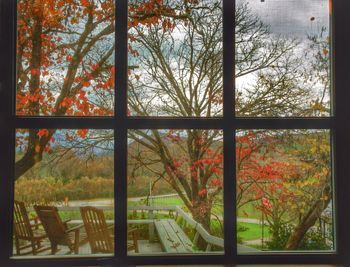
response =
{"points": [[283, 58], [284, 191], [65, 58], [175, 191], [175, 58], [64, 193]]}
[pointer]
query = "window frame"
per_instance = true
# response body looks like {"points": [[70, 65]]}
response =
{"points": [[338, 123]]}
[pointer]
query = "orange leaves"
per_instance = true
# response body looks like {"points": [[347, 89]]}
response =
{"points": [[86, 83], [37, 149], [82, 94], [66, 102], [85, 3], [82, 133], [168, 25]]}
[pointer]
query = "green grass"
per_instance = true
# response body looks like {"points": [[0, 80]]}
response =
{"points": [[249, 211], [173, 201], [253, 231], [75, 215]]}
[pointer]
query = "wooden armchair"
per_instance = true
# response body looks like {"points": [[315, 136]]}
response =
{"points": [[101, 236], [57, 230], [26, 230]]}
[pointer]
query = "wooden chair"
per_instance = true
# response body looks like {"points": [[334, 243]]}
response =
{"points": [[101, 236], [26, 230], [57, 230]]}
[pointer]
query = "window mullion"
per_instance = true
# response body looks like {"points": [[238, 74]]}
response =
{"points": [[228, 84], [120, 151], [7, 55]]}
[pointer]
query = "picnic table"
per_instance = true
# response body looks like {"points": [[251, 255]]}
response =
{"points": [[172, 237]]}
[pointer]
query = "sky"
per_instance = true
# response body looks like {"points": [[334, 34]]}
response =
{"points": [[292, 17]]}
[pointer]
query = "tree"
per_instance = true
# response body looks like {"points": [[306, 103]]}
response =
{"points": [[287, 176], [65, 67]]}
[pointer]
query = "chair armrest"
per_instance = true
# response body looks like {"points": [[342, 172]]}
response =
{"points": [[35, 222], [65, 223], [36, 225], [111, 229], [75, 228]]}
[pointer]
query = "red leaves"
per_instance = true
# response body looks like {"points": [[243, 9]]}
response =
{"points": [[176, 163], [202, 192], [216, 183], [266, 203], [43, 132], [35, 72], [173, 136]]}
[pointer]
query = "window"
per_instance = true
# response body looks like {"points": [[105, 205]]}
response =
{"points": [[177, 132]]}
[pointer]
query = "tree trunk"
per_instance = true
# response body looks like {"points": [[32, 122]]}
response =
{"points": [[204, 220], [33, 155], [309, 219]]}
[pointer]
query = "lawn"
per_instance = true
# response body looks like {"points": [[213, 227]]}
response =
{"points": [[168, 201], [252, 231], [249, 211]]}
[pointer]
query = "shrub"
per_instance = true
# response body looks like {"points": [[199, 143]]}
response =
{"points": [[313, 239], [48, 190]]}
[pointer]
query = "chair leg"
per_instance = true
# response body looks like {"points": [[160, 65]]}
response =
{"points": [[33, 247], [76, 243], [38, 243], [18, 249], [134, 236], [53, 248]]}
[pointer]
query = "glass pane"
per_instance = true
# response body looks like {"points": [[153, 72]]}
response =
{"points": [[175, 191], [284, 191], [175, 58], [65, 58], [64, 193], [283, 58]]}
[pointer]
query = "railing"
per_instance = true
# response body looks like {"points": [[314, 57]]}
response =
{"points": [[187, 219], [158, 200], [177, 211]]}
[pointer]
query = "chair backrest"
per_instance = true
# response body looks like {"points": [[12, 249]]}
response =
{"points": [[51, 221], [21, 221], [99, 235]]}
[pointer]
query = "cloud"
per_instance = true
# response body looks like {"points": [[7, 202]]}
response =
{"points": [[292, 17]]}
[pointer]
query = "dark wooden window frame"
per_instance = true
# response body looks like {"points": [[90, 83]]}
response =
{"points": [[338, 123]]}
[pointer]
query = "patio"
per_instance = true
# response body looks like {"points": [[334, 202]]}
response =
{"points": [[165, 236]]}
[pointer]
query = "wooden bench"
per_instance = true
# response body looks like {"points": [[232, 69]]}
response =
{"points": [[172, 237]]}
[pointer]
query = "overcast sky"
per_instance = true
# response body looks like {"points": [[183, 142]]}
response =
{"points": [[292, 16]]}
